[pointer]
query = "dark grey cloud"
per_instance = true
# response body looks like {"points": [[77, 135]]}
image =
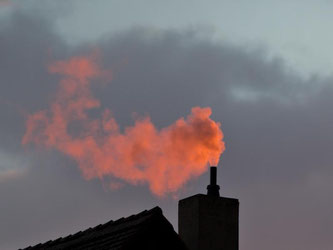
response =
{"points": [[277, 129]]}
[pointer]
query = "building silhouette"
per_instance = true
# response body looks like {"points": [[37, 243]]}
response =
{"points": [[205, 222]]}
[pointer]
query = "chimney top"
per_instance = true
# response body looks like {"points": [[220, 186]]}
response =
{"points": [[213, 188], [209, 221]]}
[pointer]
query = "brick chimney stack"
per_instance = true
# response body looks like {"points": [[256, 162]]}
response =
{"points": [[209, 222]]}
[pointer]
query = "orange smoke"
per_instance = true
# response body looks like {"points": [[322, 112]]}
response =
{"points": [[165, 159]]}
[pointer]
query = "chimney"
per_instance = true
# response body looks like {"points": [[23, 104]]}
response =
{"points": [[209, 222]]}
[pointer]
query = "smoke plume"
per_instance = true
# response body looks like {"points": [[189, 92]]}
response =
{"points": [[163, 158]]}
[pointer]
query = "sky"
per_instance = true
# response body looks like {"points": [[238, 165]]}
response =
{"points": [[263, 67]]}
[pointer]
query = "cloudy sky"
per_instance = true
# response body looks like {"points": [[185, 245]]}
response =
{"points": [[264, 68]]}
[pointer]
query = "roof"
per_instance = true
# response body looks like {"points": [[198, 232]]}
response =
{"points": [[146, 230]]}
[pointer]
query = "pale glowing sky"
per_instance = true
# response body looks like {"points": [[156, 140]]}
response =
{"points": [[297, 30]]}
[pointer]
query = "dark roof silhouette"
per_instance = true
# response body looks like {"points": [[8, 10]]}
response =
{"points": [[146, 230]]}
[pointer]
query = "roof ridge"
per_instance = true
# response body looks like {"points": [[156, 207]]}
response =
{"points": [[155, 210]]}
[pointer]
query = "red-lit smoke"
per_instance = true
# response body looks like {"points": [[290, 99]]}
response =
{"points": [[165, 159]]}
